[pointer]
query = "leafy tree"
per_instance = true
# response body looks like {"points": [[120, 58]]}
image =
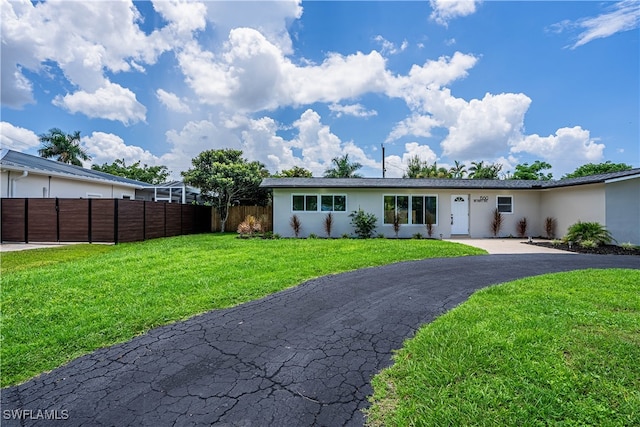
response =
{"points": [[479, 170], [458, 170], [64, 147], [224, 177], [294, 172], [597, 168], [343, 168], [534, 172], [151, 174], [417, 168]]}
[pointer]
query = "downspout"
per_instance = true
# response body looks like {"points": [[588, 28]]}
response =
{"points": [[13, 183], [184, 193]]}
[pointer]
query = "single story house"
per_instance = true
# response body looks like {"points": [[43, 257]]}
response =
{"points": [[26, 176], [459, 207]]}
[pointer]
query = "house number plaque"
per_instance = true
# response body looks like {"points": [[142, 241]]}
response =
{"points": [[481, 199]]}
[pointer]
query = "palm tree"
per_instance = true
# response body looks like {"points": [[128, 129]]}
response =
{"points": [[65, 147], [343, 168], [458, 170], [479, 170]]}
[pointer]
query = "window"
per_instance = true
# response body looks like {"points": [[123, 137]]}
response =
{"points": [[505, 204], [420, 207], [328, 203], [332, 203]]}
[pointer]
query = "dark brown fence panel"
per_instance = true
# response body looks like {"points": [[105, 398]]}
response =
{"points": [[173, 218], [13, 220], [103, 220], [203, 219], [130, 220], [73, 220], [237, 214], [188, 217], [42, 223], [154, 220]]}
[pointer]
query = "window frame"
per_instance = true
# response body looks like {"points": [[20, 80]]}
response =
{"points": [[318, 198], [511, 208], [410, 206]]}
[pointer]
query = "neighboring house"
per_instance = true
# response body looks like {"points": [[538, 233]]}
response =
{"points": [[460, 207], [26, 176]]}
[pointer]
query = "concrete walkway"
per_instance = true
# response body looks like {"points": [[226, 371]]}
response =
{"points": [[508, 246], [301, 357]]}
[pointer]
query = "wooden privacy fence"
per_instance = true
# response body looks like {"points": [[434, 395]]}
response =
{"points": [[98, 220], [237, 214]]}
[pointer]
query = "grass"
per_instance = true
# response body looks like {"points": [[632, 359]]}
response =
{"points": [[64, 302], [558, 349]]}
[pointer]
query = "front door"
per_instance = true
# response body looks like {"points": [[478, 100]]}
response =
{"points": [[459, 214]]}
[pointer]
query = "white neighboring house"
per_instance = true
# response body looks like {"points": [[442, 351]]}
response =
{"points": [[26, 176], [460, 207]]}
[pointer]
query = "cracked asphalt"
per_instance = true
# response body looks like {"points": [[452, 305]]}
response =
{"points": [[301, 357]]}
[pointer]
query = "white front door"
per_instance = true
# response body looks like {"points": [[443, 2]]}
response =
{"points": [[459, 214]]}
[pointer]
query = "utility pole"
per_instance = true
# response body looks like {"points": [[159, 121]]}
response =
{"points": [[384, 170]]}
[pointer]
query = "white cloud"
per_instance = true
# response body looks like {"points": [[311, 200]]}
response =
{"points": [[622, 16], [446, 10], [252, 74], [107, 147], [356, 110], [389, 48], [17, 138], [567, 149], [416, 125], [270, 18], [172, 101], [486, 127], [111, 101]]}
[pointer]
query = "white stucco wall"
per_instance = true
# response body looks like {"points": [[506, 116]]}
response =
{"points": [[569, 205], [39, 186], [525, 204], [623, 210]]}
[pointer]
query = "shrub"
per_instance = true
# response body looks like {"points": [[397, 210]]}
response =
{"points": [[521, 227], [496, 222], [556, 242], [364, 223], [328, 224], [628, 245], [429, 220], [550, 224], [345, 236], [380, 236], [249, 226], [588, 244], [417, 236], [581, 231], [268, 235], [313, 236], [295, 224]]}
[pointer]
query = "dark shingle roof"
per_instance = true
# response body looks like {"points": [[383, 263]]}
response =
{"points": [[480, 184], [14, 160]]}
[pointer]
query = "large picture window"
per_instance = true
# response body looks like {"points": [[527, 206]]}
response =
{"points": [[505, 204], [412, 209], [327, 203]]}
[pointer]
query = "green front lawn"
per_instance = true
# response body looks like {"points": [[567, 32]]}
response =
{"points": [[558, 349], [60, 303]]}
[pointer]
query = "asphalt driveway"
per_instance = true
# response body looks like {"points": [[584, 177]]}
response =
{"points": [[301, 357]]}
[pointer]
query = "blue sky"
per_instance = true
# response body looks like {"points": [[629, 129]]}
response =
{"points": [[298, 83]]}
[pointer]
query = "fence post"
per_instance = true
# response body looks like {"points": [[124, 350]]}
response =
{"points": [[57, 219], [115, 221], [90, 221], [26, 220]]}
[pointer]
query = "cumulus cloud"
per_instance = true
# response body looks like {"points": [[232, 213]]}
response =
{"points": [[621, 16], [446, 10], [567, 149], [416, 125], [396, 166], [252, 74], [389, 48], [111, 101], [172, 101], [17, 138], [356, 110], [107, 147]]}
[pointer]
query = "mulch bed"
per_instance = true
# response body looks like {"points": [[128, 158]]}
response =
{"points": [[601, 250]]}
